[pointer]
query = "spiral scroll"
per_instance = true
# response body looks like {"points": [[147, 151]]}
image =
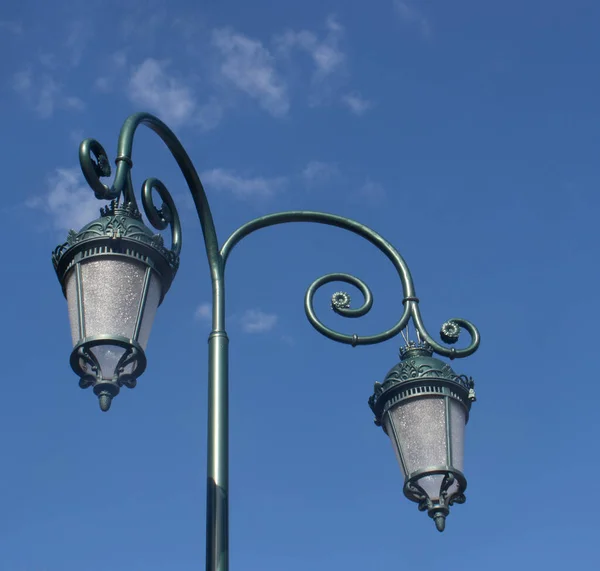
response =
{"points": [[341, 301], [95, 165]]}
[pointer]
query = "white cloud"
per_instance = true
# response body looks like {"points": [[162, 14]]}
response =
{"points": [[326, 54], [372, 192], [250, 67], [150, 86], [69, 202], [407, 11], [204, 312], [317, 172], [254, 187], [44, 93], [356, 103], [257, 321]]}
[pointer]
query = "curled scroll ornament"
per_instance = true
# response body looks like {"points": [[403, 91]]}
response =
{"points": [[95, 165], [340, 302]]}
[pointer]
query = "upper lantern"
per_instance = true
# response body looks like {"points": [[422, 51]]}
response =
{"points": [[423, 406], [114, 273]]}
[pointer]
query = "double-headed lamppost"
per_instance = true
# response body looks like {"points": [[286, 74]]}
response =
{"points": [[115, 273]]}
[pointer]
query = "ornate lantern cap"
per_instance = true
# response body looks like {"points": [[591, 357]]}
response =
{"points": [[417, 365], [120, 231]]}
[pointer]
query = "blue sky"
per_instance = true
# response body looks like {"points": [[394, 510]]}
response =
{"points": [[466, 133]]}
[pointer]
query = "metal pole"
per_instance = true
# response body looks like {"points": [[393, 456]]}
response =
{"points": [[217, 484]]}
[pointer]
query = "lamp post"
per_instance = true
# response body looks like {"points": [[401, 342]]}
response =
{"points": [[115, 273]]}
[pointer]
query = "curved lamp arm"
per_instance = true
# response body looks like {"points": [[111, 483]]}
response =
{"points": [[340, 301], [94, 164]]}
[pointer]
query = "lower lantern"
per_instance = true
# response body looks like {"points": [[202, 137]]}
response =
{"points": [[423, 406]]}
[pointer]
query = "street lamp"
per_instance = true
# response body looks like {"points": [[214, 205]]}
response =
{"points": [[115, 273]]}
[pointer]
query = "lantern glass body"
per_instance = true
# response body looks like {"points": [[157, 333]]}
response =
{"points": [[427, 434], [112, 296]]}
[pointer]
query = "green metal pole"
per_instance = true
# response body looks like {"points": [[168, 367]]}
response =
{"points": [[217, 484]]}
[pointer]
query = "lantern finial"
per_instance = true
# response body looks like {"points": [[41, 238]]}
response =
{"points": [[105, 401]]}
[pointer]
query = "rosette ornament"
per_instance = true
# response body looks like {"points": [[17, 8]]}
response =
{"points": [[423, 406]]}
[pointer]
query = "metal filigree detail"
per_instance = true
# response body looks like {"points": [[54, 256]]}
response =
{"points": [[340, 300], [438, 510], [417, 374], [450, 332], [412, 369], [412, 346], [118, 221], [94, 165]]}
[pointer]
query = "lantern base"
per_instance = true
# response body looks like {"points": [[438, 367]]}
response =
{"points": [[451, 492], [131, 364]]}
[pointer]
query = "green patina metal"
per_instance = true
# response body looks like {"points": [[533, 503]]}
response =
{"points": [[123, 224], [420, 375]]}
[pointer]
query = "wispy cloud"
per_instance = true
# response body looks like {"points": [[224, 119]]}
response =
{"points": [[242, 187], [326, 53], [152, 87], [412, 15], [68, 202], [203, 312], [318, 172], [257, 321], [356, 103], [43, 93], [371, 193], [249, 66]]}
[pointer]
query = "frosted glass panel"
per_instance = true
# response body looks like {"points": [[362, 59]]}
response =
{"points": [[432, 485], [71, 287], [111, 295], [389, 429], [108, 356], [420, 426], [152, 300], [457, 427]]}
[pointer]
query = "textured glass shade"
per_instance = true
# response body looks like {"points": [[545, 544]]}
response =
{"points": [[111, 297], [114, 273], [427, 434]]}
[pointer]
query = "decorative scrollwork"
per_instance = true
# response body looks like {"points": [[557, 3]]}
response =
{"points": [[94, 165], [450, 332], [341, 301], [167, 214]]}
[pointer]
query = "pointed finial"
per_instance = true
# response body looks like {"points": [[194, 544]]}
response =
{"points": [[440, 521], [105, 401]]}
